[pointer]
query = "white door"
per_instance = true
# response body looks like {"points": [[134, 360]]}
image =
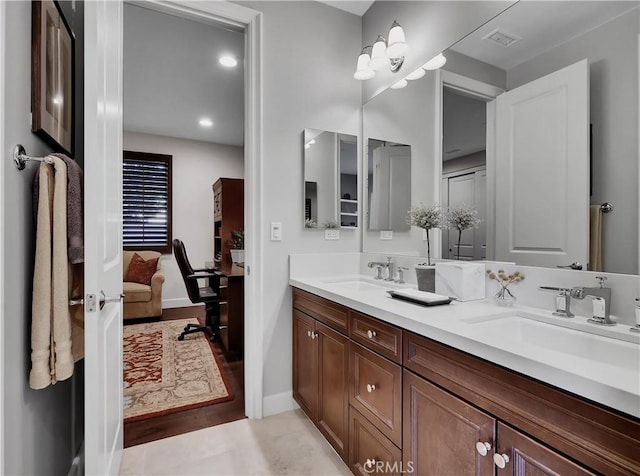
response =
{"points": [[103, 236], [542, 170], [389, 201]]}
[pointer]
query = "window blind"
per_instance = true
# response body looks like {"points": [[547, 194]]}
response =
{"points": [[146, 203]]}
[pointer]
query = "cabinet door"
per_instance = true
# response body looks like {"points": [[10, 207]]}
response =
{"points": [[305, 364], [441, 431], [333, 377], [526, 457]]}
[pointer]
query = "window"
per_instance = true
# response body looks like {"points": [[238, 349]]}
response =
{"points": [[146, 197]]}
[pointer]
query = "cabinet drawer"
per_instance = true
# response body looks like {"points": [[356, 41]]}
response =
{"points": [[376, 335], [370, 452], [332, 314], [376, 391]]}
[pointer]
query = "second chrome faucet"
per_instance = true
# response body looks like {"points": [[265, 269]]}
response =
{"points": [[601, 304]]}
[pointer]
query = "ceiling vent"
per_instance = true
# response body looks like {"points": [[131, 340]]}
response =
{"points": [[502, 38]]}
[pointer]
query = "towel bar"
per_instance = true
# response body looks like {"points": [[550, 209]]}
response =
{"points": [[606, 207], [20, 157]]}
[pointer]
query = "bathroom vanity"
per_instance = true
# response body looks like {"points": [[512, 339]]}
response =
{"points": [[399, 388]]}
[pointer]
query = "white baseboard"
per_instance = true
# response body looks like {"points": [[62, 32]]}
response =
{"points": [[278, 403], [177, 302]]}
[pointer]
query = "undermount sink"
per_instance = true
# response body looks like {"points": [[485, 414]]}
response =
{"points": [[360, 283], [609, 346]]}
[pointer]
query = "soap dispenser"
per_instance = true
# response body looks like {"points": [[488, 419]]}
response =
{"points": [[636, 328]]}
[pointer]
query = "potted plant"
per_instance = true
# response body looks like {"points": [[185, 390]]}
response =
{"points": [[461, 218], [426, 218], [236, 246]]}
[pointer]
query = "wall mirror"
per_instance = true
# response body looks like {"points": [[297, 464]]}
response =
{"points": [[388, 173], [330, 180], [538, 182]]}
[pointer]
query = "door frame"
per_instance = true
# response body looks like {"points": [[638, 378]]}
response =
{"points": [[485, 92], [250, 21], [3, 32]]}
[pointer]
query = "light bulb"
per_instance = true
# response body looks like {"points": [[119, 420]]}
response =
{"points": [[397, 45], [379, 59], [400, 84], [363, 71], [228, 61], [206, 122], [417, 74], [436, 62]]}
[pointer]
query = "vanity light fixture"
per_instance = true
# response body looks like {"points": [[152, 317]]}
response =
{"points": [[206, 122], [228, 61], [436, 62], [383, 54], [417, 74], [400, 84]]}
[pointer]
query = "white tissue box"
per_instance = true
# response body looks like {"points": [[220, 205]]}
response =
{"points": [[464, 281]]}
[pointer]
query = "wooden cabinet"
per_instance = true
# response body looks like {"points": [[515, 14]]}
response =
{"points": [[441, 431], [228, 215], [320, 378], [436, 410]]}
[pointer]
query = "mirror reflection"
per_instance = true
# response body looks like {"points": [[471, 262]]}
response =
{"points": [[330, 179], [539, 124], [389, 169]]}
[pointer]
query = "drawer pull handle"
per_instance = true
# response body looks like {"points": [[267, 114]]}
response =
{"points": [[370, 387], [500, 460], [370, 463], [371, 334], [483, 448]]}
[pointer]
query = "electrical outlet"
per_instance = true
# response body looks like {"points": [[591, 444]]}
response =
{"points": [[386, 234], [332, 234]]}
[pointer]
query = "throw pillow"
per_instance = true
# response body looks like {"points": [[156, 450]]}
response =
{"points": [[140, 271]]}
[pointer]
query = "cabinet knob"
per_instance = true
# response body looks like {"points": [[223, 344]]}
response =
{"points": [[500, 460], [370, 463], [483, 448], [371, 334], [314, 335], [370, 387]]}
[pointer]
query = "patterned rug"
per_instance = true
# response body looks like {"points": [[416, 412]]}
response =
{"points": [[164, 375]]}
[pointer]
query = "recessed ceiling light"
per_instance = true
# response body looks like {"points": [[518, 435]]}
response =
{"points": [[206, 122], [228, 61]]}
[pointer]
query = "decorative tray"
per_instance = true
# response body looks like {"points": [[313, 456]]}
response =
{"points": [[422, 298]]}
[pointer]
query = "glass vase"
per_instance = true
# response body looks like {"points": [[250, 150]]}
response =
{"points": [[504, 297]]}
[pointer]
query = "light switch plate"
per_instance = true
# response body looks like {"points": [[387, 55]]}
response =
{"points": [[276, 231], [386, 234], [332, 234]]}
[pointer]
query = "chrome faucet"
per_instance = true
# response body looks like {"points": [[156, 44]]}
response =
{"points": [[601, 297], [601, 301], [379, 266]]}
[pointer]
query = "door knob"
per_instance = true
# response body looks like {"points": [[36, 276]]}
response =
{"points": [[483, 448], [576, 266], [104, 299], [500, 460]]}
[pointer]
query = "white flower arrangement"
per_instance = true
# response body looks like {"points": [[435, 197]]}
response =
{"points": [[426, 218], [330, 225], [310, 223], [462, 218]]}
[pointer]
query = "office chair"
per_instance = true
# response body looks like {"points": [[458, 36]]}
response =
{"points": [[209, 295]]}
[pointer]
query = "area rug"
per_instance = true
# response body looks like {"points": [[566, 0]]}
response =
{"points": [[163, 375]]}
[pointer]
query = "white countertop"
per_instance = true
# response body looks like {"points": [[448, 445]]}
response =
{"points": [[603, 369]]}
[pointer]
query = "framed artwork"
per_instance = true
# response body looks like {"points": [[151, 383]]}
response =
{"points": [[51, 76]]}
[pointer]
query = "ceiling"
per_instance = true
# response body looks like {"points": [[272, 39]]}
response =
{"points": [[357, 7], [542, 25], [172, 77]]}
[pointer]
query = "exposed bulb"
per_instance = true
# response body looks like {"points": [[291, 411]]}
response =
{"points": [[436, 62], [400, 84]]}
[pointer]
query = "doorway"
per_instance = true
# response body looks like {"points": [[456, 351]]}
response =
{"points": [[183, 100]]}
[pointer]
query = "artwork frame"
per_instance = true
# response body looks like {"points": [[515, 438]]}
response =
{"points": [[52, 76]]}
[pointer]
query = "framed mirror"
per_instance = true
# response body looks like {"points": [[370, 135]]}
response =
{"points": [[330, 180]]}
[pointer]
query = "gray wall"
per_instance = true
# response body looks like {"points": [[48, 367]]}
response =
{"points": [[612, 50], [38, 423], [309, 53], [430, 27]]}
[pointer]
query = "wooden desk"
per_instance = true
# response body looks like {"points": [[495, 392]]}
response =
{"points": [[232, 311]]}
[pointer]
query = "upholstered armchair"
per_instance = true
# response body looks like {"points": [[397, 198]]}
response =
{"points": [[142, 300]]}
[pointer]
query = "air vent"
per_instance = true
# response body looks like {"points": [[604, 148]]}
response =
{"points": [[502, 38]]}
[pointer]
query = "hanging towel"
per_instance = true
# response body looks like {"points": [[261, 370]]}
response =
{"points": [[595, 238], [53, 352]]}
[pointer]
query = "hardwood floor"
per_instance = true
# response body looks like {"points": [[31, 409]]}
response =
{"points": [[136, 433]]}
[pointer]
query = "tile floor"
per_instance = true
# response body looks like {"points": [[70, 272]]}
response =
{"points": [[282, 444]]}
